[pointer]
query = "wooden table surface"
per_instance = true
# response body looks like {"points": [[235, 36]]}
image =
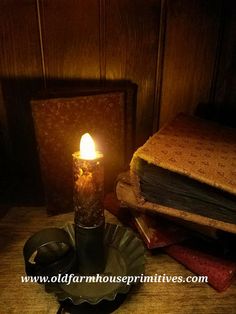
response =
{"points": [[20, 223]]}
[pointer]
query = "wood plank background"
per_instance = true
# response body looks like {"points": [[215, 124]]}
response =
{"points": [[189, 55], [180, 53]]}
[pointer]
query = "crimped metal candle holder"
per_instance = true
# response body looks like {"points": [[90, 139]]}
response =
{"points": [[125, 257]]}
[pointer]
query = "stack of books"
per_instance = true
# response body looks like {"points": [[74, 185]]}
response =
{"points": [[186, 175]]}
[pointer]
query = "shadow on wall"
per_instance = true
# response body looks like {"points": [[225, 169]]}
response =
{"points": [[223, 113]]}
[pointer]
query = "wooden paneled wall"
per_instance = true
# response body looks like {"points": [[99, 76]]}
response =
{"points": [[180, 53], [199, 60], [189, 55]]}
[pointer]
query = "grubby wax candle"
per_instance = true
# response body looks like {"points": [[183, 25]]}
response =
{"points": [[88, 184], [88, 204]]}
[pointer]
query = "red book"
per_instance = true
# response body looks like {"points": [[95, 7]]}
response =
{"points": [[220, 272], [158, 232]]}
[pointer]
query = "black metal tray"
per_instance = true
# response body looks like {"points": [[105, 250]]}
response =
{"points": [[125, 257]]}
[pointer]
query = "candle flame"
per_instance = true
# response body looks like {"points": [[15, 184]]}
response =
{"points": [[87, 147]]}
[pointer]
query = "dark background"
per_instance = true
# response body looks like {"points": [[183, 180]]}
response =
{"points": [[180, 53]]}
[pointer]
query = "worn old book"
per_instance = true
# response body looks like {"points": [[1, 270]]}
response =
{"points": [[212, 258], [125, 195], [188, 170]]}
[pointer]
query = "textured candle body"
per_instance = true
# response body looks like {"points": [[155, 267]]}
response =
{"points": [[89, 213], [88, 190]]}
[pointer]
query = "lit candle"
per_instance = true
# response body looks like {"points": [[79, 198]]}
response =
{"points": [[88, 204], [88, 184]]}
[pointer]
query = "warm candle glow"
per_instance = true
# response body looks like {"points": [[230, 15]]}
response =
{"points": [[87, 147]]}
